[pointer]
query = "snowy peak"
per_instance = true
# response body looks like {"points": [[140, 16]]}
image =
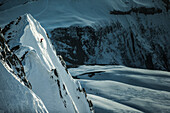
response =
{"points": [[47, 72], [26, 31]]}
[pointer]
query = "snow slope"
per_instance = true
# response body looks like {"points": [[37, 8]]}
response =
{"points": [[103, 31], [15, 89], [44, 69], [15, 97], [123, 89]]}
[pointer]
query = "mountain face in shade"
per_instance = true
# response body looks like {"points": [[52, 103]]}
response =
{"points": [[137, 36], [46, 71]]}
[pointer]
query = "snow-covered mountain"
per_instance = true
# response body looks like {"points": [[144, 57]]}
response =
{"points": [[124, 32], [46, 71], [129, 32], [136, 35]]}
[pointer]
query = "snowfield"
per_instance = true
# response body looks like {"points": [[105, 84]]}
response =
{"points": [[120, 89]]}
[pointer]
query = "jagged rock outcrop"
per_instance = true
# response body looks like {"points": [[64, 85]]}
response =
{"points": [[140, 10]]}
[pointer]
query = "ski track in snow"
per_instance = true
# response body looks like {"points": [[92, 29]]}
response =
{"points": [[122, 89]]}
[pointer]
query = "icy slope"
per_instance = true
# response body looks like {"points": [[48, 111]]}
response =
{"points": [[14, 95], [121, 89], [44, 69]]}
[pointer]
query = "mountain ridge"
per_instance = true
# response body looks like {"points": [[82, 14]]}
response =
{"points": [[49, 77]]}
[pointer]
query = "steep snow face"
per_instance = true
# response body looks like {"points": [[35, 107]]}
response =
{"points": [[47, 73], [15, 96], [117, 89], [13, 62]]}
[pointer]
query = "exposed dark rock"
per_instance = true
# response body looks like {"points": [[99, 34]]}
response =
{"points": [[129, 45], [51, 77], [23, 57], [15, 48], [141, 10], [167, 4], [58, 83], [18, 20], [13, 61], [55, 72], [6, 28], [90, 74]]}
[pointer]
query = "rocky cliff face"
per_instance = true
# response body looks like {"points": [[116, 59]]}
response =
{"points": [[138, 37]]}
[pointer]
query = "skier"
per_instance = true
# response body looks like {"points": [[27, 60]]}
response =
{"points": [[41, 40]]}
